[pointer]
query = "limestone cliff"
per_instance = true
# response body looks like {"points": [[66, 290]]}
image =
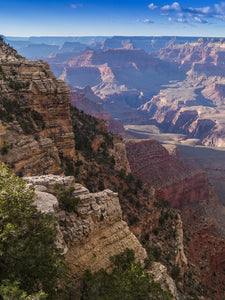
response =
{"points": [[36, 128], [94, 232]]}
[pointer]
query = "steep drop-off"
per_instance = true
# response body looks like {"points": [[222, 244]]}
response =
{"points": [[98, 160], [173, 181], [188, 190], [36, 128]]}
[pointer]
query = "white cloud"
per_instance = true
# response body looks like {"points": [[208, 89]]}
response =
{"points": [[152, 6], [181, 20], [199, 20], [174, 7], [207, 10], [176, 13]]}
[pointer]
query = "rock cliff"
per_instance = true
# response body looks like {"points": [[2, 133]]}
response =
{"points": [[36, 128], [173, 181], [193, 106], [188, 190], [92, 233]]}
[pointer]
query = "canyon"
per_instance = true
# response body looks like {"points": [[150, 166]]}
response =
{"points": [[42, 134], [174, 83]]}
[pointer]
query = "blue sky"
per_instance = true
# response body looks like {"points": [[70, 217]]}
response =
{"points": [[88, 17]]}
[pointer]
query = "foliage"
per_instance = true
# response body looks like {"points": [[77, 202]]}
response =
{"points": [[11, 291], [4, 149], [128, 280], [161, 203], [27, 251], [122, 173], [29, 120], [66, 199], [129, 178], [139, 184], [101, 185], [175, 273], [86, 129]]}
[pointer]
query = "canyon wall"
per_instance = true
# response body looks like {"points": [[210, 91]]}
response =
{"points": [[173, 181], [92, 233], [36, 128]]}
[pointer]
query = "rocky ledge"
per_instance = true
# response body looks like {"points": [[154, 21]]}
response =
{"points": [[94, 231]]}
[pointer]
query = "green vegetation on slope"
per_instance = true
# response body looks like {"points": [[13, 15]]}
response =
{"points": [[128, 280], [27, 251]]}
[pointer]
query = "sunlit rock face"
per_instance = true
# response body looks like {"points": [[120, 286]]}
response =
{"points": [[92, 233], [36, 126]]}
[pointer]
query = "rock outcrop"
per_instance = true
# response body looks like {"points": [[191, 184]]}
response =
{"points": [[120, 155], [36, 128], [161, 276], [94, 232]]}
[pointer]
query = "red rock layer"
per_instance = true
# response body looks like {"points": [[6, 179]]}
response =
{"points": [[173, 181], [206, 250]]}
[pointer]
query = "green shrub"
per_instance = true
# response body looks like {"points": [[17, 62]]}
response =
{"points": [[66, 199], [128, 280], [4, 149], [129, 178], [161, 203], [133, 220], [28, 254], [139, 184], [175, 273], [101, 185], [11, 291]]}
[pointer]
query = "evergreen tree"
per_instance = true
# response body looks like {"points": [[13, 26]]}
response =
{"points": [[27, 250]]}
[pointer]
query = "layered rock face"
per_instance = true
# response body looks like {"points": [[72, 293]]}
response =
{"points": [[123, 78], [194, 106], [187, 189], [94, 232], [173, 181], [36, 127]]}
